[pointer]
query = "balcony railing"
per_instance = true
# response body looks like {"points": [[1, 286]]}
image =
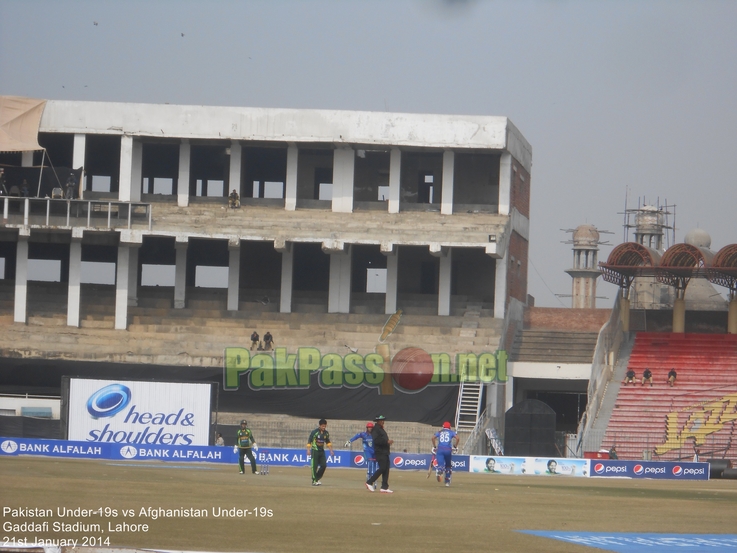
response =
{"points": [[57, 213]]}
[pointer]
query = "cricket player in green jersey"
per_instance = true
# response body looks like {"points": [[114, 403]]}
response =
{"points": [[319, 438], [245, 442]]}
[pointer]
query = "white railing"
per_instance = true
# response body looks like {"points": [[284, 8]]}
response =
{"points": [[478, 430], [48, 212]]}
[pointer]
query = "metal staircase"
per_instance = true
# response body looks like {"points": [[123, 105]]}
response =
{"points": [[468, 409]]}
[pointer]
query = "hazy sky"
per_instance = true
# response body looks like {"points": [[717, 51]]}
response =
{"points": [[617, 98]]}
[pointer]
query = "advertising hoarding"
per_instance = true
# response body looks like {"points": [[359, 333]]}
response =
{"points": [[650, 469], [530, 465], [134, 412]]}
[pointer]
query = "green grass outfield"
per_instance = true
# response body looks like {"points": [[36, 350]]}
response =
{"points": [[477, 513]]}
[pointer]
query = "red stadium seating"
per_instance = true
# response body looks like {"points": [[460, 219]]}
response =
{"points": [[700, 411]]}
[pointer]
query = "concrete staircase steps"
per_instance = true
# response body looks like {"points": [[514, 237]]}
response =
{"points": [[548, 346], [199, 333]]}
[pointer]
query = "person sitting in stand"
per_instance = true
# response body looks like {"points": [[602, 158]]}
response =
{"points": [[647, 376], [268, 341], [672, 377], [234, 200], [25, 190], [254, 340], [629, 377], [613, 453]]}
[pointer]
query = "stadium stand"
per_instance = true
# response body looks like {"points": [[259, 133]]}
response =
{"points": [[700, 411]]}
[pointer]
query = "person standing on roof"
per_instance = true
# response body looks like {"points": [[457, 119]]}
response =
{"points": [[444, 442]]}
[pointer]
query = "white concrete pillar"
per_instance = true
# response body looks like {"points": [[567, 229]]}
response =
{"points": [[21, 277], [180, 276], [185, 152], [395, 177], [26, 159], [505, 183], [79, 152], [121, 287], [133, 275], [392, 275], [509, 389], [287, 275], [234, 179], [137, 171], [75, 278], [444, 284], [290, 187], [344, 160], [126, 168], [446, 202], [339, 291], [234, 273], [500, 286]]}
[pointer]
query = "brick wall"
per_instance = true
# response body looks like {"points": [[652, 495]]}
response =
{"points": [[554, 318]]}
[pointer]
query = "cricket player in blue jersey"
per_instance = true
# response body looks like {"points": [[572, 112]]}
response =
{"points": [[368, 450], [444, 442]]}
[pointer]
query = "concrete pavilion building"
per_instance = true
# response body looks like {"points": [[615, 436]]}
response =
{"points": [[362, 210]]}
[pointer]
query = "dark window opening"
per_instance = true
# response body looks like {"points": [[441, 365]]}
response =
{"points": [[568, 407], [311, 268], [209, 169], [264, 172], [160, 168]]}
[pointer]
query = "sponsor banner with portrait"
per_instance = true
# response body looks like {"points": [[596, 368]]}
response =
{"points": [[138, 413], [550, 466], [650, 469]]}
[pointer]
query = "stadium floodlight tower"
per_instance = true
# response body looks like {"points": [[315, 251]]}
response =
{"points": [[585, 271]]}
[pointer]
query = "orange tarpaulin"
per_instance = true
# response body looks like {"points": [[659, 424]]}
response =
{"points": [[19, 121]]}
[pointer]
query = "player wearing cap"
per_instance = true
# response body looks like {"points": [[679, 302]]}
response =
{"points": [[368, 449], [444, 442], [319, 438], [382, 446], [245, 441]]}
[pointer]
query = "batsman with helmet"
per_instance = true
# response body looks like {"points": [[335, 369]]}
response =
{"points": [[444, 443]]}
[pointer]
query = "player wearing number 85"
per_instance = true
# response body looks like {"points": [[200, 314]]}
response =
{"points": [[444, 442]]}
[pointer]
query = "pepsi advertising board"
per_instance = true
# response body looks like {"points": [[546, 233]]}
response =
{"points": [[650, 469], [145, 413]]}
